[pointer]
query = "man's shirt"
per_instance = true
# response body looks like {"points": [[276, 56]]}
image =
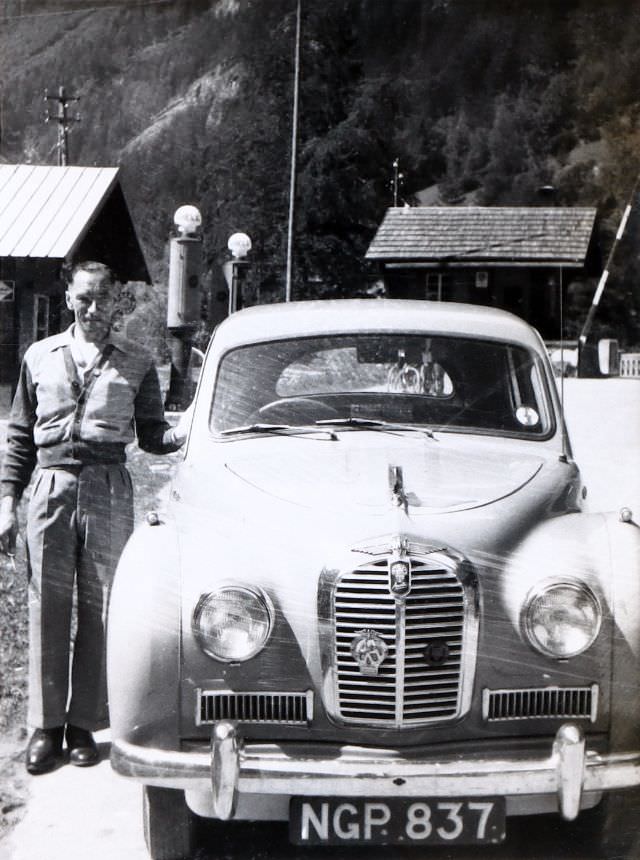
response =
{"points": [[62, 418]]}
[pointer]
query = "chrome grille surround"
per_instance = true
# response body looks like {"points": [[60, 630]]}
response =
{"points": [[440, 607], [254, 707], [536, 703]]}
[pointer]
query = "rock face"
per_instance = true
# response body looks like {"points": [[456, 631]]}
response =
{"points": [[205, 98]]}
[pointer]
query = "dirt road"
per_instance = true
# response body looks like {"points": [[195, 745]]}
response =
{"points": [[79, 814]]}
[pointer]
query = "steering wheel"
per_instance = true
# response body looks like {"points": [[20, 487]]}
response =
{"points": [[296, 410]]}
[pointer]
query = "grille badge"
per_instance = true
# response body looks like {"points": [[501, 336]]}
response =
{"points": [[399, 578], [437, 652], [369, 650]]}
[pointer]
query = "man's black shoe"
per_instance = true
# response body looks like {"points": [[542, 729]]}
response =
{"points": [[44, 751], [83, 751]]}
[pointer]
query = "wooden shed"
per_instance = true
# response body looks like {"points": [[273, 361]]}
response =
{"points": [[518, 258], [50, 216]]}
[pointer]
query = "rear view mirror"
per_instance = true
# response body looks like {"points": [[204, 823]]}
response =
{"points": [[377, 350]]}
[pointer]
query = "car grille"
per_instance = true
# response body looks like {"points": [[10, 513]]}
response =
{"points": [[289, 708], [541, 702], [409, 688]]}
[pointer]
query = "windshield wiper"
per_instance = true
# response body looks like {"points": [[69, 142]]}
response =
{"points": [[256, 428], [373, 424], [277, 429]]}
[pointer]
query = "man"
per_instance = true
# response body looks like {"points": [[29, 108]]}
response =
{"points": [[82, 396]]}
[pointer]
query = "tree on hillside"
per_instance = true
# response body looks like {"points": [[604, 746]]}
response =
{"points": [[194, 100], [465, 152]]}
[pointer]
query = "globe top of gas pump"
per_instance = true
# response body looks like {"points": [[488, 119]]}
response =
{"points": [[187, 219]]}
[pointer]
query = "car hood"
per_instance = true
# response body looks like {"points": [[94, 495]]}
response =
{"points": [[435, 475]]}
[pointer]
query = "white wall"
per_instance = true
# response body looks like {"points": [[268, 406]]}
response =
{"points": [[603, 417]]}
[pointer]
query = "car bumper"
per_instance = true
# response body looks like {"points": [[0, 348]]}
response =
{"points": [[232, 768]]}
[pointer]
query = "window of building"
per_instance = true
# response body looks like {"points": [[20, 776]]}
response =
{"points": [[437, 286]]}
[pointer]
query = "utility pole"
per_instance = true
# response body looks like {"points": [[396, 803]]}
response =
{"points": [[64, 122]]}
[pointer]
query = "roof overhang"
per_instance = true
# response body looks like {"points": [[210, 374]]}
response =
{"points": [[482, 264]]}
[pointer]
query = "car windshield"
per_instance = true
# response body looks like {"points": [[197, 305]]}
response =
{"points": [[444, 383]]}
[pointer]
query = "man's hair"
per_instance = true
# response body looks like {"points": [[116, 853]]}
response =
{"points": [[92, 267]]}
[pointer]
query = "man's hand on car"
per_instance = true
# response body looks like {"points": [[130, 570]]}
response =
{"points": [[181, 430]]}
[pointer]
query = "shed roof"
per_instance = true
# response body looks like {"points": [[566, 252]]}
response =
{"points": [[47, 211], [484, 234]]}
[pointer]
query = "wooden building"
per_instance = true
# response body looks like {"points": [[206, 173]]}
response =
{"points": [[50, 216], [516, 258]]}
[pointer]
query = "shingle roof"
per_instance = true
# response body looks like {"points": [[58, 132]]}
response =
{"points": [[46, 211], [484, 234]]}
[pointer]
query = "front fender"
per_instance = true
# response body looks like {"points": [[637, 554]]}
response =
{"points": [[143, 645], [604, 552], [624, 543]]}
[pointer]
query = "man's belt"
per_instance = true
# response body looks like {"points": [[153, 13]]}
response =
{"points": [[78, 454]]}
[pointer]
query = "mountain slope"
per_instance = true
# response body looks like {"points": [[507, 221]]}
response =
{"points": [[488, 99]]}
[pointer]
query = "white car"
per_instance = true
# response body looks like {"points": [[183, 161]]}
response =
{"points": [[373, 607]]}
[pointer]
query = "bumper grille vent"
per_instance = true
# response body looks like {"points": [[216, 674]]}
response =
{"points": [[288, 708], [541, 703], [410, 688]]}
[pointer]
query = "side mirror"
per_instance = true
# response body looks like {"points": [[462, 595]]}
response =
{"points": [[608, 357]]}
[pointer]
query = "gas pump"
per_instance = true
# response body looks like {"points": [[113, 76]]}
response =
{"points": [[235, 269], [184, 301]]}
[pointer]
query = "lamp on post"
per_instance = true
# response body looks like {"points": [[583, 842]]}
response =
{"points": [[239, 244], [184, 301]]}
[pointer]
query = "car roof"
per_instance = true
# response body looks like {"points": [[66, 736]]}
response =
{"points": [[335, 316]]}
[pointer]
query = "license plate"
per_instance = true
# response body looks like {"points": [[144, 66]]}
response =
{"points": [[389, 821]]}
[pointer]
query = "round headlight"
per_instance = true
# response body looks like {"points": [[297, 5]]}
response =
{"points": [[562, 619], [233, 623]]}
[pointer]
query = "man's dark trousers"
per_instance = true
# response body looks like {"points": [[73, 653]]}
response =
{"points": [[78, 522]]}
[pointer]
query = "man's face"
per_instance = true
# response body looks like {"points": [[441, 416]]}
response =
{"points": [[92, 298]]}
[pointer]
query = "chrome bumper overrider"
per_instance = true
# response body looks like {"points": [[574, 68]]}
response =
{"points": [[232, 767]]}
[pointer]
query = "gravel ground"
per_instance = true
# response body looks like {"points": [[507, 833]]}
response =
{"points": [[13, 678]]}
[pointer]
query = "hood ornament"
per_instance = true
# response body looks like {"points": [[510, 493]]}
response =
{"points": [[369, 650], [396, 485]]}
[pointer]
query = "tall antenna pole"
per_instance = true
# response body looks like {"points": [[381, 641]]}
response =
{"points": [[64, 122], [565, 441], [294, 156], [396, 181]]}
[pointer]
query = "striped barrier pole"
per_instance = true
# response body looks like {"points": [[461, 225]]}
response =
{"points": [[586, 328]]}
